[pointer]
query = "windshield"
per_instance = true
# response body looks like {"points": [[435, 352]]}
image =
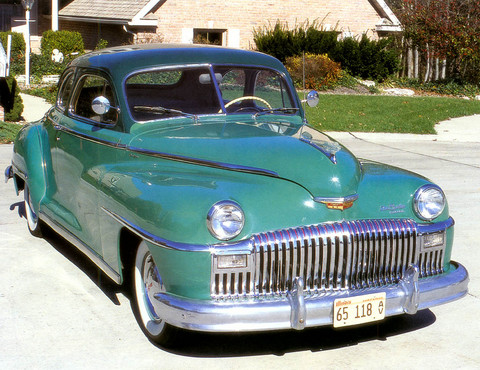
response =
{"points": [[190, 91]]}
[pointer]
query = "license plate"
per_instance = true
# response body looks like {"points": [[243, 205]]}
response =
{"points": [[358, 310]]}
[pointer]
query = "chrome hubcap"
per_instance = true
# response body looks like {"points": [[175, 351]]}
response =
{"points": [[152, 284]]}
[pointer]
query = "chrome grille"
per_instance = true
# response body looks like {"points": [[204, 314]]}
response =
{"points": [[330, 257]]}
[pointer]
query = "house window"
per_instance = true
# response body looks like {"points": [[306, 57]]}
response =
{"points": [[208, 36]]}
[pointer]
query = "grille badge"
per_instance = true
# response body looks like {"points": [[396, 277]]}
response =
{"points": [[338, 203]]}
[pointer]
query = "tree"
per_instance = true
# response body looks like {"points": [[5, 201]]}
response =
{"points": [[446, 30]]}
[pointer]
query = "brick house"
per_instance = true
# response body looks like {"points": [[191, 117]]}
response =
{"points": [[229, 23]]}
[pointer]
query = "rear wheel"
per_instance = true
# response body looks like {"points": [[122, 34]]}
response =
{"points": [[34, 224], [146, 284]]}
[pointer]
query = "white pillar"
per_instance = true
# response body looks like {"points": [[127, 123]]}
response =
{"points": [[27, 48], [54, 15]]}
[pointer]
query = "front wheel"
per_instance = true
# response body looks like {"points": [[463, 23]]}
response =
{"points": [[35, 225], [146, 284]]}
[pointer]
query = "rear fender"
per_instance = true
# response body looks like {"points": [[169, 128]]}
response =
{"points": [[32, 162]]}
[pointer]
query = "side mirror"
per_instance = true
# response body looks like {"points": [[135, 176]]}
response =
{"points": [[312, 98], [101, 105]]}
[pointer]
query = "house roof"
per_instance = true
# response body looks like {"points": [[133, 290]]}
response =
{"points": [[390, 22], [127, 12], [139, 12]]}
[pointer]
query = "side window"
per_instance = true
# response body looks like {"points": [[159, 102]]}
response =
{"points": [[89, 88], [270, 86], [232, 85], [65, 91]]}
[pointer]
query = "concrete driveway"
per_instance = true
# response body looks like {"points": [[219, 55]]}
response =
{"points": [[57, 311]]}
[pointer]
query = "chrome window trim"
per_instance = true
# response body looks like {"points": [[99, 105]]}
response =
{"points": [[75, 94], [69, 75]]}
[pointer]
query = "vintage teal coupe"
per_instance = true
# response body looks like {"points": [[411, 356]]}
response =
{"points": [[190, 175]]}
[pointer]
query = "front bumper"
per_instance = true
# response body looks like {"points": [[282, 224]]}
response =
{"points": [[296, 311]]}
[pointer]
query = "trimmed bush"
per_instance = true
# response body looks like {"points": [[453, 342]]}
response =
{"points": [[320, 71], [42, 65], [10, 99], [66, 41], [17, 63]]}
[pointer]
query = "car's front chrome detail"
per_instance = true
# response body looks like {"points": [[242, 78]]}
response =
{"points": [[409, 284], [276, 314], [349, 255], [296, 298], [8, 173], [340, 203]]}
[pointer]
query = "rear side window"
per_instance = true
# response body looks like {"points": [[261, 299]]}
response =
{"points": [[89, 88], [65, 91]]}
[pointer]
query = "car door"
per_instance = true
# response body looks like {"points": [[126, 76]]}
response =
{"points": [[84, 140]]}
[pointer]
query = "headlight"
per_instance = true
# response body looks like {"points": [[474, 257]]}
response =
{"points": [[225, 220], [429, 202]]}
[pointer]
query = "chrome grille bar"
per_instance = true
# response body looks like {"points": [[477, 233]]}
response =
{"points": [[330, 257]]}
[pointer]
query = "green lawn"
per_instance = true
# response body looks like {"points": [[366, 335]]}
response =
{"points": [[8, 132], [376, 113]]}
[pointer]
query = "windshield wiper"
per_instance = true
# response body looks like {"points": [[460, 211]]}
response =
{"points": [[163, 110], [273, 110]]}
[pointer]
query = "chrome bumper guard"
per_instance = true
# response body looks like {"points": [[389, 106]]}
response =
{"points": [[8, 173], [298, 311]]}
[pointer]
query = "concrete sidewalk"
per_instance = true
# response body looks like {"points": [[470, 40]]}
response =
{"points": [[34, 108]]}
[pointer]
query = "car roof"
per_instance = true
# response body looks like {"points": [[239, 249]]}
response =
{"points": [[120, 61]]}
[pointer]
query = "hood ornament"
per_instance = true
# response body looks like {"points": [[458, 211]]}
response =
{"points": [[337, 203], [323, 144]]}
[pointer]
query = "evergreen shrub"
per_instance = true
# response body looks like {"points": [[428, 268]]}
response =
{"points": [[10, 99]]}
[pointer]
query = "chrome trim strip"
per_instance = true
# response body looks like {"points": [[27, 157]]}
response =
{"points": [[173, 157], [331, 156], [242, 246], [347, 199], [423, 229], [82, 247], [93, 139], [204, 162], [243, 316]]}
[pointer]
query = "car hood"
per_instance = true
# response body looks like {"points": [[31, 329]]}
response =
{"points": [[299, 154]]}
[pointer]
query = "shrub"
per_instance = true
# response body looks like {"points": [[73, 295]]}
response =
{"points": [[320, 71], [363, 58], [101, 44], [10, 99], [66, 41], [17, 65], [42, 65]]}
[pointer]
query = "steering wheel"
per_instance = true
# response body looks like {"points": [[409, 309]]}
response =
{"points": [[246, 98]]}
